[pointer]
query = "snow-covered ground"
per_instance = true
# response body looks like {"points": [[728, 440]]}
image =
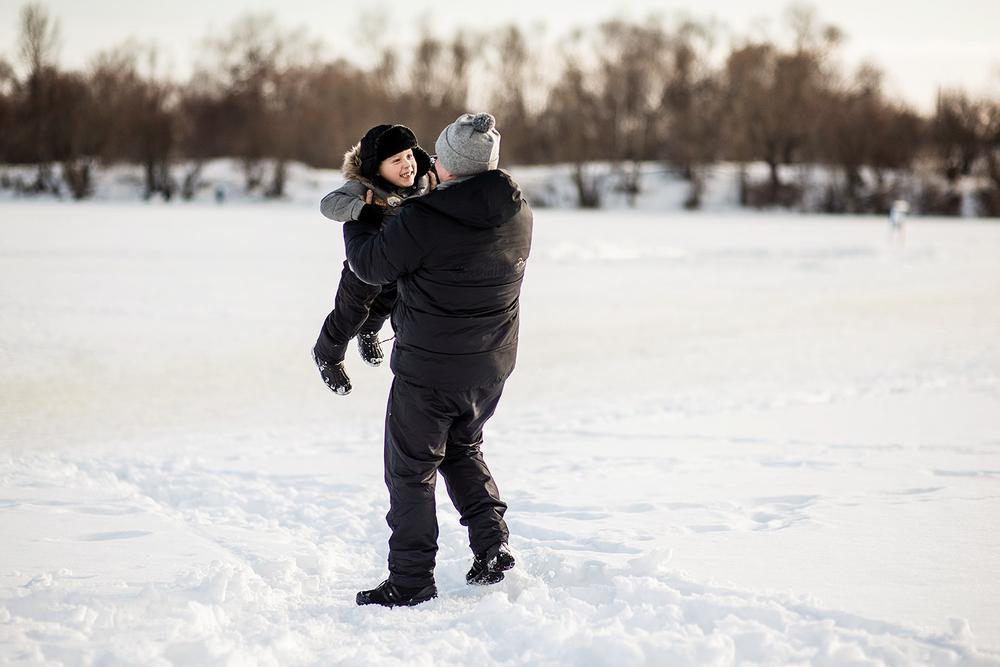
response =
{"points": [[730, 438]]}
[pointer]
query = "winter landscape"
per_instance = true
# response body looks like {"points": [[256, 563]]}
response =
{"points": [[731, 438], [755, 415]]}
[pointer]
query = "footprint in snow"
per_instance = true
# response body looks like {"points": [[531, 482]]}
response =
{"points": [[116, 535]]}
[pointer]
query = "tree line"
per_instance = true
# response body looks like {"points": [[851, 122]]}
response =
{"points": [[622, 93]]}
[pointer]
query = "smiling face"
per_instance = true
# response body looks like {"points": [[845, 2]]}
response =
{"points": [[399, 169]]}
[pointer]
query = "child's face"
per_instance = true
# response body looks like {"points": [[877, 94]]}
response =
{"points": [[399, 169]]}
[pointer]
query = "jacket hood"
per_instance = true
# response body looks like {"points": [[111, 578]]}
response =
{"points": [[485, 200], [351, 169]]}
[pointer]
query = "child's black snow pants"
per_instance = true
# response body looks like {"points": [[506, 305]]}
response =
{"points": [[357, 308]]}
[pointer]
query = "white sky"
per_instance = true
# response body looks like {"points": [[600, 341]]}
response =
{"points": [[920, 45]]}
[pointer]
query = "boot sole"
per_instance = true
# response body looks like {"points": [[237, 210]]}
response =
{"points": [[361, 601], [494, 577]]}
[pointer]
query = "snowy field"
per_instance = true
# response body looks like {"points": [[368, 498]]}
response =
{"points": [[730, 439]]}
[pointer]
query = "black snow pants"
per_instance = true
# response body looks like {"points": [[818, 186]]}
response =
{"points": [[357, 308], [429, 431]]}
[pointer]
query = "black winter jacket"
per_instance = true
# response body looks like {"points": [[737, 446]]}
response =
{"points": [[458, 255]]}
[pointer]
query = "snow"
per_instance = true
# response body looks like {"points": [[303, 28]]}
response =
{"points": [[730, 439]]}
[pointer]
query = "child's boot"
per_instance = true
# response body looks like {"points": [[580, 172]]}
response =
{"points": [[333, 374], [370, 348]]}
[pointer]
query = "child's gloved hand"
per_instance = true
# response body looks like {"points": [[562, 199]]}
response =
{"points": [[370, 213]]}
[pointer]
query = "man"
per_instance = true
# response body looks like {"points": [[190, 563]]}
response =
{"points": [[458, 256]]}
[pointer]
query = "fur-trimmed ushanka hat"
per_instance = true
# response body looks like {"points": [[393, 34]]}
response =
{"points": [[383, 141]]}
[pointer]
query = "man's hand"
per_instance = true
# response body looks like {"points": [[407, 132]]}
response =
{"points": [[370, 213]]}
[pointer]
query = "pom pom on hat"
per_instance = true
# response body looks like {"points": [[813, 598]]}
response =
{"points": [[483, 122]]}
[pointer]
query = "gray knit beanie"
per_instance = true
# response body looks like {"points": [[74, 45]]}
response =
{"points": [[470, 145]]}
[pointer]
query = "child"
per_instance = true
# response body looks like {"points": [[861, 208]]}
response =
{"points": [[388, 164]]}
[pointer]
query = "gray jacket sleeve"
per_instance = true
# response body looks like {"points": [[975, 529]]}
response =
{"points": [[344, 203]]}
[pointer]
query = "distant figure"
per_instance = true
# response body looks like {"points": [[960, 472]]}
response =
{"points": [[220, 194], [897, 216]]}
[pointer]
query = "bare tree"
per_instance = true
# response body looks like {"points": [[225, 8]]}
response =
{"points": [[203, 119], [8, 86], [249, 64], [966, 134], [517, 78], [990, 196], [438, 82], [957, 135], [808, 32], [38, 41], [632, 75], [956, 132], [774, 98], [692, 99], [72, 113], [860, 129], [138, 123], [52, 111], [572, 125], [337, 103]]}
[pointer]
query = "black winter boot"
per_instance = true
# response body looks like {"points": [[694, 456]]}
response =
{"points": [[334, 375], [489, 567], [370, 348], [388, 595]]}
